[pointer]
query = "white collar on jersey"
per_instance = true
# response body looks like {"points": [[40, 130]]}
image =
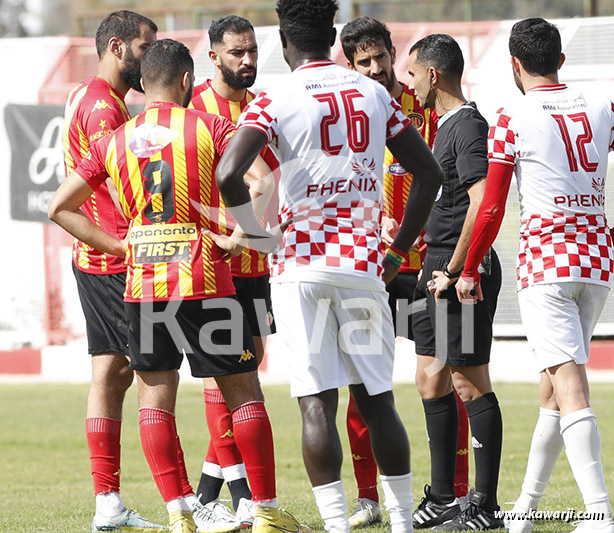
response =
{"points": [[453, 112]]}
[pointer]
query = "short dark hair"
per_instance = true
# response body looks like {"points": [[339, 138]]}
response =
{"points": [[228, 24], [537, 44], [124, 24], [307, 23], [442, 52], [164, 61], [363, 32]]}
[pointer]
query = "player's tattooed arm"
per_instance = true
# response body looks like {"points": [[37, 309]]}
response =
{"points": [[65, 210]]}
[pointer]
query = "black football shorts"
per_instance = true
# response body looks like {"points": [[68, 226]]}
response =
{"points": [[102, 301], [213, 333]]}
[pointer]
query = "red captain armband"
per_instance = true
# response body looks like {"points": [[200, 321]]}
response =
{"points": [[396, 256]]}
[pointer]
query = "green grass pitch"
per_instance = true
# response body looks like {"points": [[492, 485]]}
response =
{"points": [[45, 485]]}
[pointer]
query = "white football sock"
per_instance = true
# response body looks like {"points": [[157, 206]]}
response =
{"points": [[234, 472], [191, 500], [399, 502], [546, 446], [213, 470], [178, 504], [333, 506], [266, 503], [109, 504], [583, 449]]}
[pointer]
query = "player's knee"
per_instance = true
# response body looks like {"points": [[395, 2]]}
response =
{"points": [[240, 388], [432, 387], [124, 378], [571, 392], [113, 378], [316, 413], [467, 391]]}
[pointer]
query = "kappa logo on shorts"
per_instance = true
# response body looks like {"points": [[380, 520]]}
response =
{"points": [[358, 457], [462, 451], [246, 356], [228, 434]]}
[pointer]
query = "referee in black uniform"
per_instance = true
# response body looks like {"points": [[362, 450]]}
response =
{"points": [[460, 356]]}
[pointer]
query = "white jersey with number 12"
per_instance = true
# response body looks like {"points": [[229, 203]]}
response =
{"points": [[558, 139]]}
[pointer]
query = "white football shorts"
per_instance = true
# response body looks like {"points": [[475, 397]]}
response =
{"points": [[334, 336], [559, 320]]}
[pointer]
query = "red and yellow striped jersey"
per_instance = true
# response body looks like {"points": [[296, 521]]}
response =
{"points": [[94, 110], [162, 163], [250, 263], [397, 182]]}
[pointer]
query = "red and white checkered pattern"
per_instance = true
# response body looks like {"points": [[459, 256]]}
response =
{"points": [[565, 248], [557, 140], [256, 116], [330, 239], [502, 140], [332, 196]]}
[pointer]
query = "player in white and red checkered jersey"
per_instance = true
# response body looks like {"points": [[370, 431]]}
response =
{"points": [[335, 201], [556, 142], [329, 126]]}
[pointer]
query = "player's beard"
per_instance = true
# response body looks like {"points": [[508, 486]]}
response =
{"points": [[131, 73], [236, 80], [387, 81]]}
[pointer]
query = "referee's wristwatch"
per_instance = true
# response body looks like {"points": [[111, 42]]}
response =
{"points": [[452, 275]]}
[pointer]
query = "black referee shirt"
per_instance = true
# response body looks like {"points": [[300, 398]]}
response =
{"points": [[460, 148]]}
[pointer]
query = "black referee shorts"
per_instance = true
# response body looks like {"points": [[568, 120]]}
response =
{"points": [[254, 295], [102, 301], [213, 333], [466, 346], [402, 287]]}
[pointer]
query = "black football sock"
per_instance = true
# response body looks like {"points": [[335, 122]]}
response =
{"points": [[239, 489], [442, 429], [208, 488], [487, 438]]}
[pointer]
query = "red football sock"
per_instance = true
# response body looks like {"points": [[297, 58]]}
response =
{"points": [[103, 435], [365, 468], [185, 482], [219, 422], [254, 438], [159, 441], [461, 476], [211, 456]]}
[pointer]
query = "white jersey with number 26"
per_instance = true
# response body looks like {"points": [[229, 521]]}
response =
{"points": [[328, 126]]}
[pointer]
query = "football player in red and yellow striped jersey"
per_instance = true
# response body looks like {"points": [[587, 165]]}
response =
{"points": [[234, 54], [368, 48], [94, 109], [163, 163]]}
